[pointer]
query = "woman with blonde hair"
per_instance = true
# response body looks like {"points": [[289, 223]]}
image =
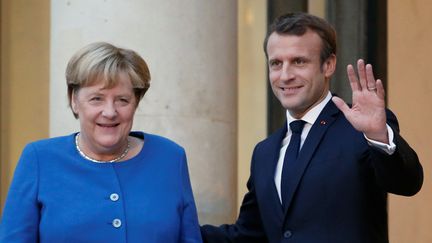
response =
{"points": [[104, 183]]}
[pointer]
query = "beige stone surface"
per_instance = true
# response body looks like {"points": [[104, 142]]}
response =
{"points": [[409, 96], [24, 81], [191, 49]]}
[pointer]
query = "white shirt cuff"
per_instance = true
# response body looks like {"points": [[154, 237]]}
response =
{"points": [[388, 148]]}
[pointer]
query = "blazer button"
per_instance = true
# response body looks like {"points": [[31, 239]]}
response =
{"points": [[114, 197], [116, 223], [287, 234]]}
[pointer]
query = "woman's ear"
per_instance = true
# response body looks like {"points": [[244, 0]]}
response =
{"points": [[74, 103]]}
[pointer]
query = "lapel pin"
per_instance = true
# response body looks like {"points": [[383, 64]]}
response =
{"points": [[322, 122]]}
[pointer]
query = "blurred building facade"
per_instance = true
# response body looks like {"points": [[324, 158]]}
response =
{"points": [[209, 90]]}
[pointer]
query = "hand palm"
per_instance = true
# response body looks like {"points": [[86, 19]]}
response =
{"points": [[367, 113]]}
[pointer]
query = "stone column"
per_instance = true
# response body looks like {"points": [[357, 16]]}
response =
{"points": [[350, 22], [190, 47]]}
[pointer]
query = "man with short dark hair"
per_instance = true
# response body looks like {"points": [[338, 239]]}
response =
{"points": [[324, 176]]}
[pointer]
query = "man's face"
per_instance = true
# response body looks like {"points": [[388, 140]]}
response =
{"points": [[297, 78]]}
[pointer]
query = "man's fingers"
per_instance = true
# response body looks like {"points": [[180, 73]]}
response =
{"points": [[353, 78], [361, 73], [341, 105], [380, 89], [371, 83]]}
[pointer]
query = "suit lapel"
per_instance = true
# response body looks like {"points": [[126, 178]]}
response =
{"points": [[271, 156], [319, 128]]}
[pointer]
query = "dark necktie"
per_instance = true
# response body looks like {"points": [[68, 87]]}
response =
{"points": [[291, 156]]}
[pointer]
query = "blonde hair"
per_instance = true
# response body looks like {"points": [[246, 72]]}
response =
{"points": [[103, 62]]}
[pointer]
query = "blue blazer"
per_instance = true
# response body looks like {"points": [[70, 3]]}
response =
{"points": [[338, 188], [57, 196]]}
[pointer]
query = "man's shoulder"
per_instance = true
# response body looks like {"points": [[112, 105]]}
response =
{"points": [[273, 140]]}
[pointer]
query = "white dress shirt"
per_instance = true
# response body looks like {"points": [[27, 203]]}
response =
{"points": [[310, 118]]}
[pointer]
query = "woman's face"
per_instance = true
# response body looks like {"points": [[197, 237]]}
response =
{"points": [[105, 115]]}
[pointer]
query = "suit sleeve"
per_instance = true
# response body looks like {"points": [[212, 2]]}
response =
{"points": [[190, 231], [20, 222], [400, 173], [247, 228]]}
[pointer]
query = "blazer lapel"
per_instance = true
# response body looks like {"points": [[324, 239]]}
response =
{"points": [[323, 122], [270, 158]]}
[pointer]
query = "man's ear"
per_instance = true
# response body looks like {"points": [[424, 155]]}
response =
{"points": [[329, 66]]}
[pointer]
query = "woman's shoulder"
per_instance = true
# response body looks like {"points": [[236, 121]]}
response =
{"points": [[158, 142], [53, 140], [50, 143], [45, 149]]}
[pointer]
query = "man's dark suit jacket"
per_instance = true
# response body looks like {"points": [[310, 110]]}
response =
{"points": [[338, 188]]}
